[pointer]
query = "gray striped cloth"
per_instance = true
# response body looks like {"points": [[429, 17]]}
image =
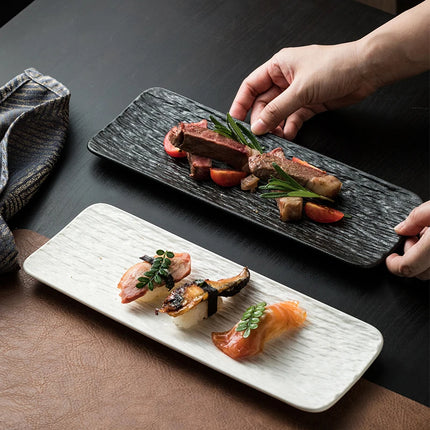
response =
{"points": [[34, 117]]}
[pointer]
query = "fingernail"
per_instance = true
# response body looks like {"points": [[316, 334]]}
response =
{"points": [[259, 127], [399, 226]]}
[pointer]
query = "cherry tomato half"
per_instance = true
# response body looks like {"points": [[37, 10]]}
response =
{"points": [[171, 149], [226, 177], [322, 214]]}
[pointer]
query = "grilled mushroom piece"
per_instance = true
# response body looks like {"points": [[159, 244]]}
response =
{"points": [[185, 297]]}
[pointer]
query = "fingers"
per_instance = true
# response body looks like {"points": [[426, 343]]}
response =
{"points": [[415, 262], [286, 128], [263, 100], [270, 104], [278, 131], [257, 83], [292, 127], [276, 110], [416, 221], [267, 91]]}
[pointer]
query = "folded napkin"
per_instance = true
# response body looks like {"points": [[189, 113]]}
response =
{"points": [[34, 116]]}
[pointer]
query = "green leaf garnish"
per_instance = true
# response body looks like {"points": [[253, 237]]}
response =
{"points": [[287, 187], [159, 271], [236, 131], [251, 137], [251, 318]]}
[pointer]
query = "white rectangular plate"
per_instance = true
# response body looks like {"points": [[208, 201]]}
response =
{"points": [[310, 369]]}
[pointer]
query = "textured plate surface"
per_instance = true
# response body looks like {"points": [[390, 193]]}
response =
{"points": [[309, 369], [135, 139]]}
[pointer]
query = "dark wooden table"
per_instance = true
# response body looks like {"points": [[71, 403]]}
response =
{"points": [[107, 52]]}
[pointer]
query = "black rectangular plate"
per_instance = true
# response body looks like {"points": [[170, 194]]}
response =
{"points": [[135, 139]]}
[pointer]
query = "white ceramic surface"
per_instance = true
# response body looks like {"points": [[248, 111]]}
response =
{"points": [[310, 369]]}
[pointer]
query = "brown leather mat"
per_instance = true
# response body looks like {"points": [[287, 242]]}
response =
{"points": [[64, 366]]}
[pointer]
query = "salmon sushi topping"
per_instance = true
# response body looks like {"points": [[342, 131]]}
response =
{"points": [[259, 324]]}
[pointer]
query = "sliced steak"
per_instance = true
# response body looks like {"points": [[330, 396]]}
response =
{"points": [[313, 179], [208, 143], [261, 164], [200, 167]]}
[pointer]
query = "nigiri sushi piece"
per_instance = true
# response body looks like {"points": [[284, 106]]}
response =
{"points": [[197, 300], [132, 289], [259, 324]]}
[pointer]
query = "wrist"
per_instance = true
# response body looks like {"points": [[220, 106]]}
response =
{"points": [[398, 49], [377, 60]]}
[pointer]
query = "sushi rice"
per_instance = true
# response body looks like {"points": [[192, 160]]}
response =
{"points": [[195, 315]]}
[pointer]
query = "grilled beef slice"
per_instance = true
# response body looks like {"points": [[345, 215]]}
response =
{"points": [[200, 167], [208, 143], [313, 179]]}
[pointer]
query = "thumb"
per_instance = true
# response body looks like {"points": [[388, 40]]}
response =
{"points": [[416, 221], [276, 111]]}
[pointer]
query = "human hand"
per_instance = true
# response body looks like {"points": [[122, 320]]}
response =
{"points": [[415, 262], [297, 83]]}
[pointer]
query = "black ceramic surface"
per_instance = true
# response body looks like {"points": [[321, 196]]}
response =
{"points": [[135, 139]]}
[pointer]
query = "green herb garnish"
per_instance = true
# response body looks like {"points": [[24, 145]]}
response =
{"points": [[251, 318], [159, 270], [236, 131], [287, 187]]}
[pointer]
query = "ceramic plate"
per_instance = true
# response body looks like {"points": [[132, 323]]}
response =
{"points": [[135, 139], [311, 368]]}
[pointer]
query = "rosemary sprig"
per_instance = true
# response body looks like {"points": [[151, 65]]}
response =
{"points": [[287, 187], [236, 131], [159, 270], [251, 318]]}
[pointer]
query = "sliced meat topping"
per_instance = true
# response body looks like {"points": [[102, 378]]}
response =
{"points": [[208, 143], [316, 180], [200, 167]]}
